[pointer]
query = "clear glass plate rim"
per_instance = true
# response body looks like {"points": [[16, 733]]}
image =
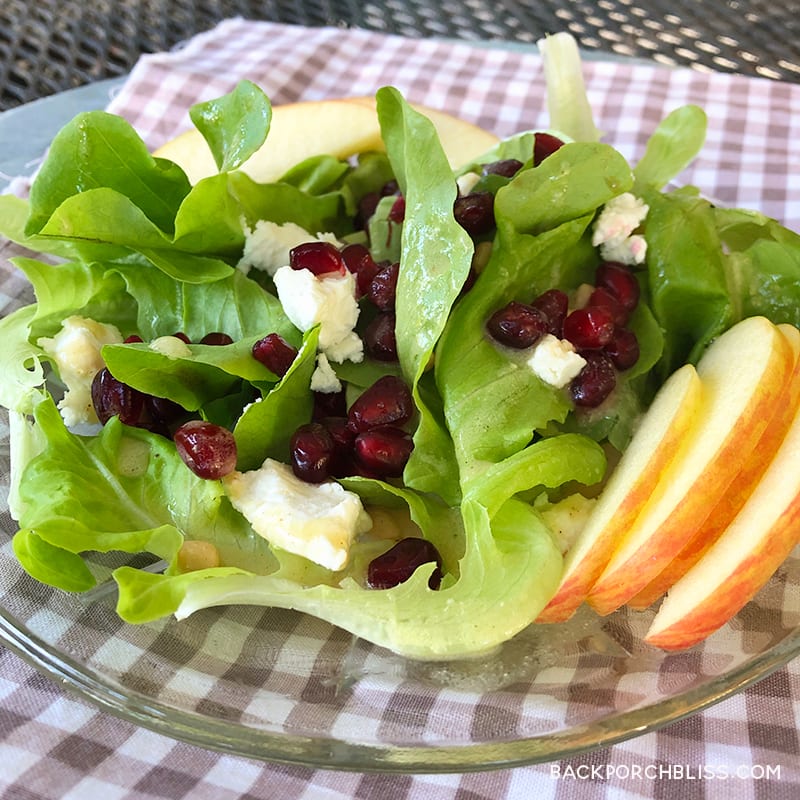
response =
{"points": [[331, 753]]}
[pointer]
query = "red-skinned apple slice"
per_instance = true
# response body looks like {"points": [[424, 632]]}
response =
{"points": [[733, 570], [664, 428], [755, 465], [742, 374]]}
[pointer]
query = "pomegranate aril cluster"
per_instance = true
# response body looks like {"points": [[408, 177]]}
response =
{"points": [[597, 330], [377, 284], [209, 450], [474, 210], [369, 202], [113, 398], [369, 440]]}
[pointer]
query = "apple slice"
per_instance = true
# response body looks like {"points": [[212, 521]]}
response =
{"points": [[664, 428], [755, 465], [742, 375], [340, 127], [741, 560]]}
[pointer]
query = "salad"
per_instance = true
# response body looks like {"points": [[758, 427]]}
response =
{"points": [[375, 430]]}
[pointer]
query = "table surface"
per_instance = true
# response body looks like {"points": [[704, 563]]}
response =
{"points": [[47, 46]]}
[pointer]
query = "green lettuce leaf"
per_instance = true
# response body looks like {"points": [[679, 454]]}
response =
{"points": [[124, 490], [676, 141], [234, 125], [23, 375], [689, 289], [234, 305], [434, 264], [567, 102], [763, 265], [98, 150]]}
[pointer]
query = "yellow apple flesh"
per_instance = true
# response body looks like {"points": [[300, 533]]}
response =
{"points": [[741, 560], [341, 128], [742, 376], [754, 466], [664, 428]]}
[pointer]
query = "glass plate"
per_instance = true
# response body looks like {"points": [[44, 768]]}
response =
{"points": [[280, 686]]}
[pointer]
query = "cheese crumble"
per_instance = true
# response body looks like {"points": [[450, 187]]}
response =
{"points": [[316, 521]]}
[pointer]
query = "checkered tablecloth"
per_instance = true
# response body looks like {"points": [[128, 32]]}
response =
{"points": [[55, 745]]}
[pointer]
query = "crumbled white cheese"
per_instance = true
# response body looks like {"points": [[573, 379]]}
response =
{"points": [[324, 379], [75, 351], [171, 347], [466, 182], [629, 251], [316, 521], [614, 227], [328, 301], [555, 361], [267, 245]]}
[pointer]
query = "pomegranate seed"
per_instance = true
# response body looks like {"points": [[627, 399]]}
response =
{"points": [[341, 432], [382, 289], [208, 450], [329, 404], [398, 564], [112, 398], [474, 212], [275, 353], [620, 281], [507, 167], [397, 213], [217, 339], [321, 258], [342, 465], [589, 328], [132, 339], [544, 144], [594, 382], [311, 450], [384, 451], [554, 305], [623, 349], [387, 402], [366, 208], [163, 410], [517, 325], [389, 188], [379, 337], [359, 261], [602, 297], [183, 337]]}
